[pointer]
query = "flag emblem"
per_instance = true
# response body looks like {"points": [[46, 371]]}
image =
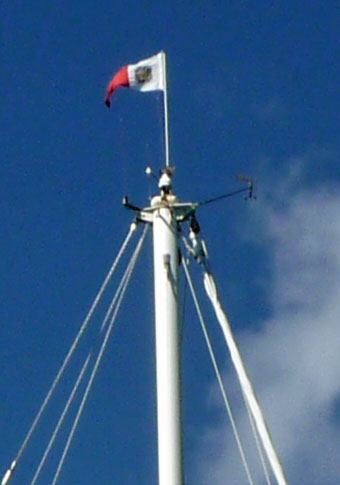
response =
{"points": [[143, 74]]}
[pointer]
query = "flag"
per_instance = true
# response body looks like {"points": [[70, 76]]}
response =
{"points": [[146, 75]]}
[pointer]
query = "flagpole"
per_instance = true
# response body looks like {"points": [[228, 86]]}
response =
{"points": [[166, 113]]}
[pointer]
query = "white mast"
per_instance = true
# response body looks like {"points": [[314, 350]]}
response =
{"points": [[165, 213], [165, 257], [167, 347]]}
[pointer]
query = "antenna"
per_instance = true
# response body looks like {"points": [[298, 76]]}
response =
{"points": [[250, 182]]}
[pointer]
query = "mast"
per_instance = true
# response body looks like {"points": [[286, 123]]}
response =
{"points": [[165, 214], [167, 343], [165, 257]]}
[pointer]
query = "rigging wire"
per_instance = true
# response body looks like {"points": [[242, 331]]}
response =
{"points": [[127, 273], [257, 441], [60, 421], [218, 374], [36, 420], [124, 285]]}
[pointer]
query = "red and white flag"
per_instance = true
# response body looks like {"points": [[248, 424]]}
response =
{"points": [[146, 75]]}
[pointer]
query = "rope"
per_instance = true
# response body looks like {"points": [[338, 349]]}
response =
{"points": [[245, 382], [124, 285], [36, 420], [218, 374]]}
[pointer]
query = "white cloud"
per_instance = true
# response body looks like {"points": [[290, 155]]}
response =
{"points": [[294, 360]]}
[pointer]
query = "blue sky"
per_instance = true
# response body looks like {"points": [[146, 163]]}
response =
{"points": [[253, 88]]}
